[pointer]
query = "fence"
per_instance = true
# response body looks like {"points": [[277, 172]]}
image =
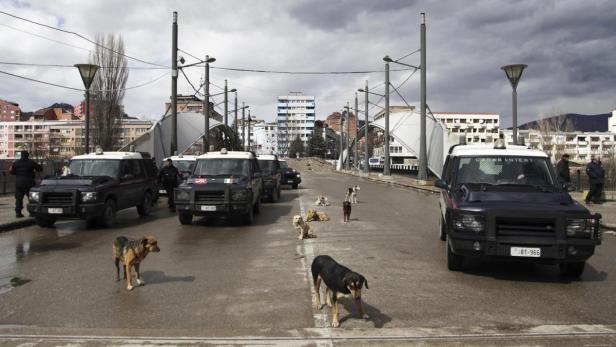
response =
{"points": [[7, 181]]}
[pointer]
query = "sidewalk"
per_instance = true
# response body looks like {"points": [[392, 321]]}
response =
{"points": [[7, 214], [607, 209]]}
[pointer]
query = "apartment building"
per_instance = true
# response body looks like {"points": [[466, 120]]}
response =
{"points": [[296, 116], [265, 138], [478, 127], [9, 111]]}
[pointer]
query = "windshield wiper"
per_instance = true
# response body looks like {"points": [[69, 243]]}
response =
{"points": [[543, 188]]}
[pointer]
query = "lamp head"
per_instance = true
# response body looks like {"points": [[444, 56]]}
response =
{"points": [[233, 90], [387, 59], [514, 73], [87, 72], [210, 60]]}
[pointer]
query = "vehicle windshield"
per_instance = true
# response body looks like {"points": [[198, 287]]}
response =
{"points": [[222, 167], [284, 165], [184, 165], [267, 165], [95, 167], [505, 171]]}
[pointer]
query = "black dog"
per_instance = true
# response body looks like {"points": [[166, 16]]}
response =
{"points": [[346, 210], [340, 281]]}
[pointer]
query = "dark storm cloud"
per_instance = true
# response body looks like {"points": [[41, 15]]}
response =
{"points": [[331, 15]]}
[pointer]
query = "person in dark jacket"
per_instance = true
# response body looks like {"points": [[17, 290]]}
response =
{"points": [[24, 169], [562, 168], [168, 176], [596, 177]]}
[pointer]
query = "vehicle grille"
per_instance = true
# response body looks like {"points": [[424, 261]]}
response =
{"points": [[60, 198], [525, 226], [209, 196]]}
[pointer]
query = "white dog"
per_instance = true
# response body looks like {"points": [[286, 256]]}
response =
{"points": [[351, 194], [302, 227], [322, 201]]}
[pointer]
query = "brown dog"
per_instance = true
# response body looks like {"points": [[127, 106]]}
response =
{"points": [[346, 210], [132, 253]]}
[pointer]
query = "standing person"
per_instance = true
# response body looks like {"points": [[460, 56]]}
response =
{"points": [[596, 177], [24, 170], [562, 168], [168, 176]]}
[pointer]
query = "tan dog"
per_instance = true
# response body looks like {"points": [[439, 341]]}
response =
{"points": [[322, 201], [302, 227], [132, 253], [314, 215]]}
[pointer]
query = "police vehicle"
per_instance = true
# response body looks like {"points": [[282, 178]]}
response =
{"points": [[184, 163], [95, 187], [225, 183], [272, 174], [290, 176], [506, 202]]}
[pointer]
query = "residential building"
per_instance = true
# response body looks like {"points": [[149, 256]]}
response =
{"points": [[333, 122], [250, 127], [191, 103], [296, 116], [478, 127], [9, 111], [266, 138]]}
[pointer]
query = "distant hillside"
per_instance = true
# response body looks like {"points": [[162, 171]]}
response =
{"points": [[580, 122]]}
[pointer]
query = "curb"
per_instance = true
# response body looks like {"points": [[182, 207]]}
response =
{"points": [[391, 182], [608, 226], [17, 224]]}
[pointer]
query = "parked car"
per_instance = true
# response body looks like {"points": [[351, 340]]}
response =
{"points": [[96, 186], [506, 202], [184, 163], [225, 183], [289, 176], [272, 174]]}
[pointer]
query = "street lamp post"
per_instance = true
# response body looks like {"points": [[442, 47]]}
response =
{"points": [[235, 122], [366, 167], [249, 145], [514, 73], [386, 170], [226, 104], [356, 133], [87, 72], [347, 143], [206, 104]]}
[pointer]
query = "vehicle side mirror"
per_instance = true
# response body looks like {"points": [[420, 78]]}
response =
{"points": [[441, 184]]}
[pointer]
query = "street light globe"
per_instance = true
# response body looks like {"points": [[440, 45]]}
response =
{"points": [[388, 59], [87, 72], [210, 60], [514, 73]]}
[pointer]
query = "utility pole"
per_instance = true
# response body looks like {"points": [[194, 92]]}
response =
{"points": [[249, 145], [235, 123], [206, 106], [356, 133], [366, 167], [341, 140], [347, 143], [226, 105], [423, 154], [386, 170], [174, 84], [243, 127]]}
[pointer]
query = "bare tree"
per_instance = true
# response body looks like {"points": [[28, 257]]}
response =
{"points": [[553, 127], [108, 90]]}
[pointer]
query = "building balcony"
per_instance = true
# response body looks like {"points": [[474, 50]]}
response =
{"points": [[582, 143]]}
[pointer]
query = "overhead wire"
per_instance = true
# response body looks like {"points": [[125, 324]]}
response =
{"points": [[46, 38], [300, 72], [80, 36], [72, 66]]}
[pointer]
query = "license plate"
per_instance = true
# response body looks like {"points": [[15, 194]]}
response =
{"points": [[54, 210], [290, 181], [525, 252], [162, 191], [208, 208]]}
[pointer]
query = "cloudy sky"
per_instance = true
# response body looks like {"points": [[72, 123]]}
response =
{"points": [[569, 47]]}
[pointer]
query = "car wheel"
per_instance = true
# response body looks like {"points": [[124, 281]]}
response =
{"points": [[295, 185], [249, 217], [185, 218], [109, 214], [146, 205], [454, 261], [572, 270], [92, 222], [443, 229], [44, 222]]}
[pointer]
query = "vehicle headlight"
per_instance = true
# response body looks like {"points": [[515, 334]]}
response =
{"points": [[182, 195], [298, 175], [469, 222], [34, 196], [580, 227], [88, 196], [239, 195]]}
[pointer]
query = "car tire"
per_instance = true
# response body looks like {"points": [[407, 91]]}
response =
{"points": [[295, 185], [44, 222], [443, 229], [146, 205], [109, 214], [572, 270], [257, 206], [455, 262], [249, 217], [185, 218]]}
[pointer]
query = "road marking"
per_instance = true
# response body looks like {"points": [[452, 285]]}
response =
{"points": [[306, 248]]}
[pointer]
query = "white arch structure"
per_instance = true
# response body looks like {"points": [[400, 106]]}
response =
{"points": [[157, 140], [404, 128]]}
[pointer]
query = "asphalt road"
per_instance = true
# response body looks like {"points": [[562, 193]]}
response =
{"points": [[223, 283]]}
